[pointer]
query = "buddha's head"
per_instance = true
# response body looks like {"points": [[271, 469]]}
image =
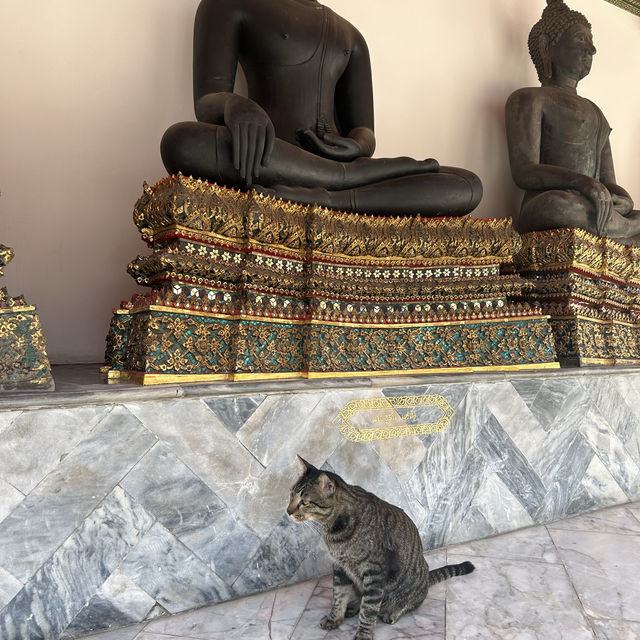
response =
{"points": [[561, 35]]}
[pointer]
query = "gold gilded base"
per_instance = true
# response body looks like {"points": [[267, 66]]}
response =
{"points": [[244, 286], [24, 364], [590, 287], [114, 376]]}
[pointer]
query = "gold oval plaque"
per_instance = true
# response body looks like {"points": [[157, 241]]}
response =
{"points": [[393, 417]]}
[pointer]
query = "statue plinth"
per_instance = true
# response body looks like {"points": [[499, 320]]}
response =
{"points": [[247, 286], [590, 286], [24, 364]]}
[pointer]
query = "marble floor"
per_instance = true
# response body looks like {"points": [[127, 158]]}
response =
{"points": [[571, 580]]}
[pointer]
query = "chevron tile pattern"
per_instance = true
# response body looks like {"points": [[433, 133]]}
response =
{"points": [[113, 514]]}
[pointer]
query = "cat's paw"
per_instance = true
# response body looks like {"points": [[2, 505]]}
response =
{"points": [[389, 618], [361, 635], [330, 623]]}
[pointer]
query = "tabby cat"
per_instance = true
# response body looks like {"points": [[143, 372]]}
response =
{"points": [[378, 565]]}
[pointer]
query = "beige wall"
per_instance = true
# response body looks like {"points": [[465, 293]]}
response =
{"points": [[88, 87]]}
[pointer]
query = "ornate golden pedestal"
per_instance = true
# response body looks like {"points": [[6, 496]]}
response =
{"points": [[590, 287], [23, 355], [245, 286]]}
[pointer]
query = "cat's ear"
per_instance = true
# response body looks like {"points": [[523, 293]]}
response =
{"points": [[306, 465], [326, 485]]}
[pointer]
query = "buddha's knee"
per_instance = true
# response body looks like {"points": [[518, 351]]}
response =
{"points": [[469, 186], [193, 148], [555, 209]]}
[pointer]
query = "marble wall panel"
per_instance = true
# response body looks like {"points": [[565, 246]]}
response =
{"points": [[10, 498], [118, 601], [190, 493], [36, 441], [171, 574], [177, 498], [71, 576], [61, 502], [198, 437]]}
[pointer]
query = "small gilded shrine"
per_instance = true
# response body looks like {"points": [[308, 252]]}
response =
{"points": [[23, 355], [247, 286], [590, 287]]}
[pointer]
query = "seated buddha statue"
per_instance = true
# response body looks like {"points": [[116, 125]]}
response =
{"points": [[558, 141], [305, 130]]}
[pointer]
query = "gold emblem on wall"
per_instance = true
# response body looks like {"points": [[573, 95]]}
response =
{"points": [[394, 417]]}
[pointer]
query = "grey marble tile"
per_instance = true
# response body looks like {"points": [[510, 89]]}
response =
{"points": [[37, 441], [574, 463], [359, 463], [596, 489], [196, 436], [9, 587], [127, 633], [493, 509], [616, 629], [441, 464], [511, 466], [234, 412], [513, 599], [598, 565], [179, 500], [266, 615], [438, 527], [10, 497], [528, 390], [619, 519], [427, 621], [117, 603], [317, 563], [7, 418], [66, 582], [610, 450], [605, 395], [554, 395], [67, 495], [171, 574], [527, 545], [279, 418], [279, 557], [232, 546]]}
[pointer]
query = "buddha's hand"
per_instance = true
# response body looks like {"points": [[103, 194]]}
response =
{"points": [[601, 200], [330, 145], [252, 133]]}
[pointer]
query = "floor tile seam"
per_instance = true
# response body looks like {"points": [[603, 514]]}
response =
{"points": [[581, 603], [621, 534], [303, 609], [613, 619]]}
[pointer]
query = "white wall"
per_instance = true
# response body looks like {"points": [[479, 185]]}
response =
{"points": [[88, 87]]}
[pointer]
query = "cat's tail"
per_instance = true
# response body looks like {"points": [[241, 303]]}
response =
{"points": [[449, 571]]}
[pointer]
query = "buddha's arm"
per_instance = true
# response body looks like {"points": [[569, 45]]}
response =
{"points": [[216, 50], [622, 201], [524, 115], [354, 108]]}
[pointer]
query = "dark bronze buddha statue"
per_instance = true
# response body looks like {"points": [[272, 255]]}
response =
{"points": [[559, 142], [305, 131]]}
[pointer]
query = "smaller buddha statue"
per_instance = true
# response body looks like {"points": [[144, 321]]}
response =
{"points": [[558, 141]]}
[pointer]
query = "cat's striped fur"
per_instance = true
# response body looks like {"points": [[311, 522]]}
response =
{"points": [[379, 569]]}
